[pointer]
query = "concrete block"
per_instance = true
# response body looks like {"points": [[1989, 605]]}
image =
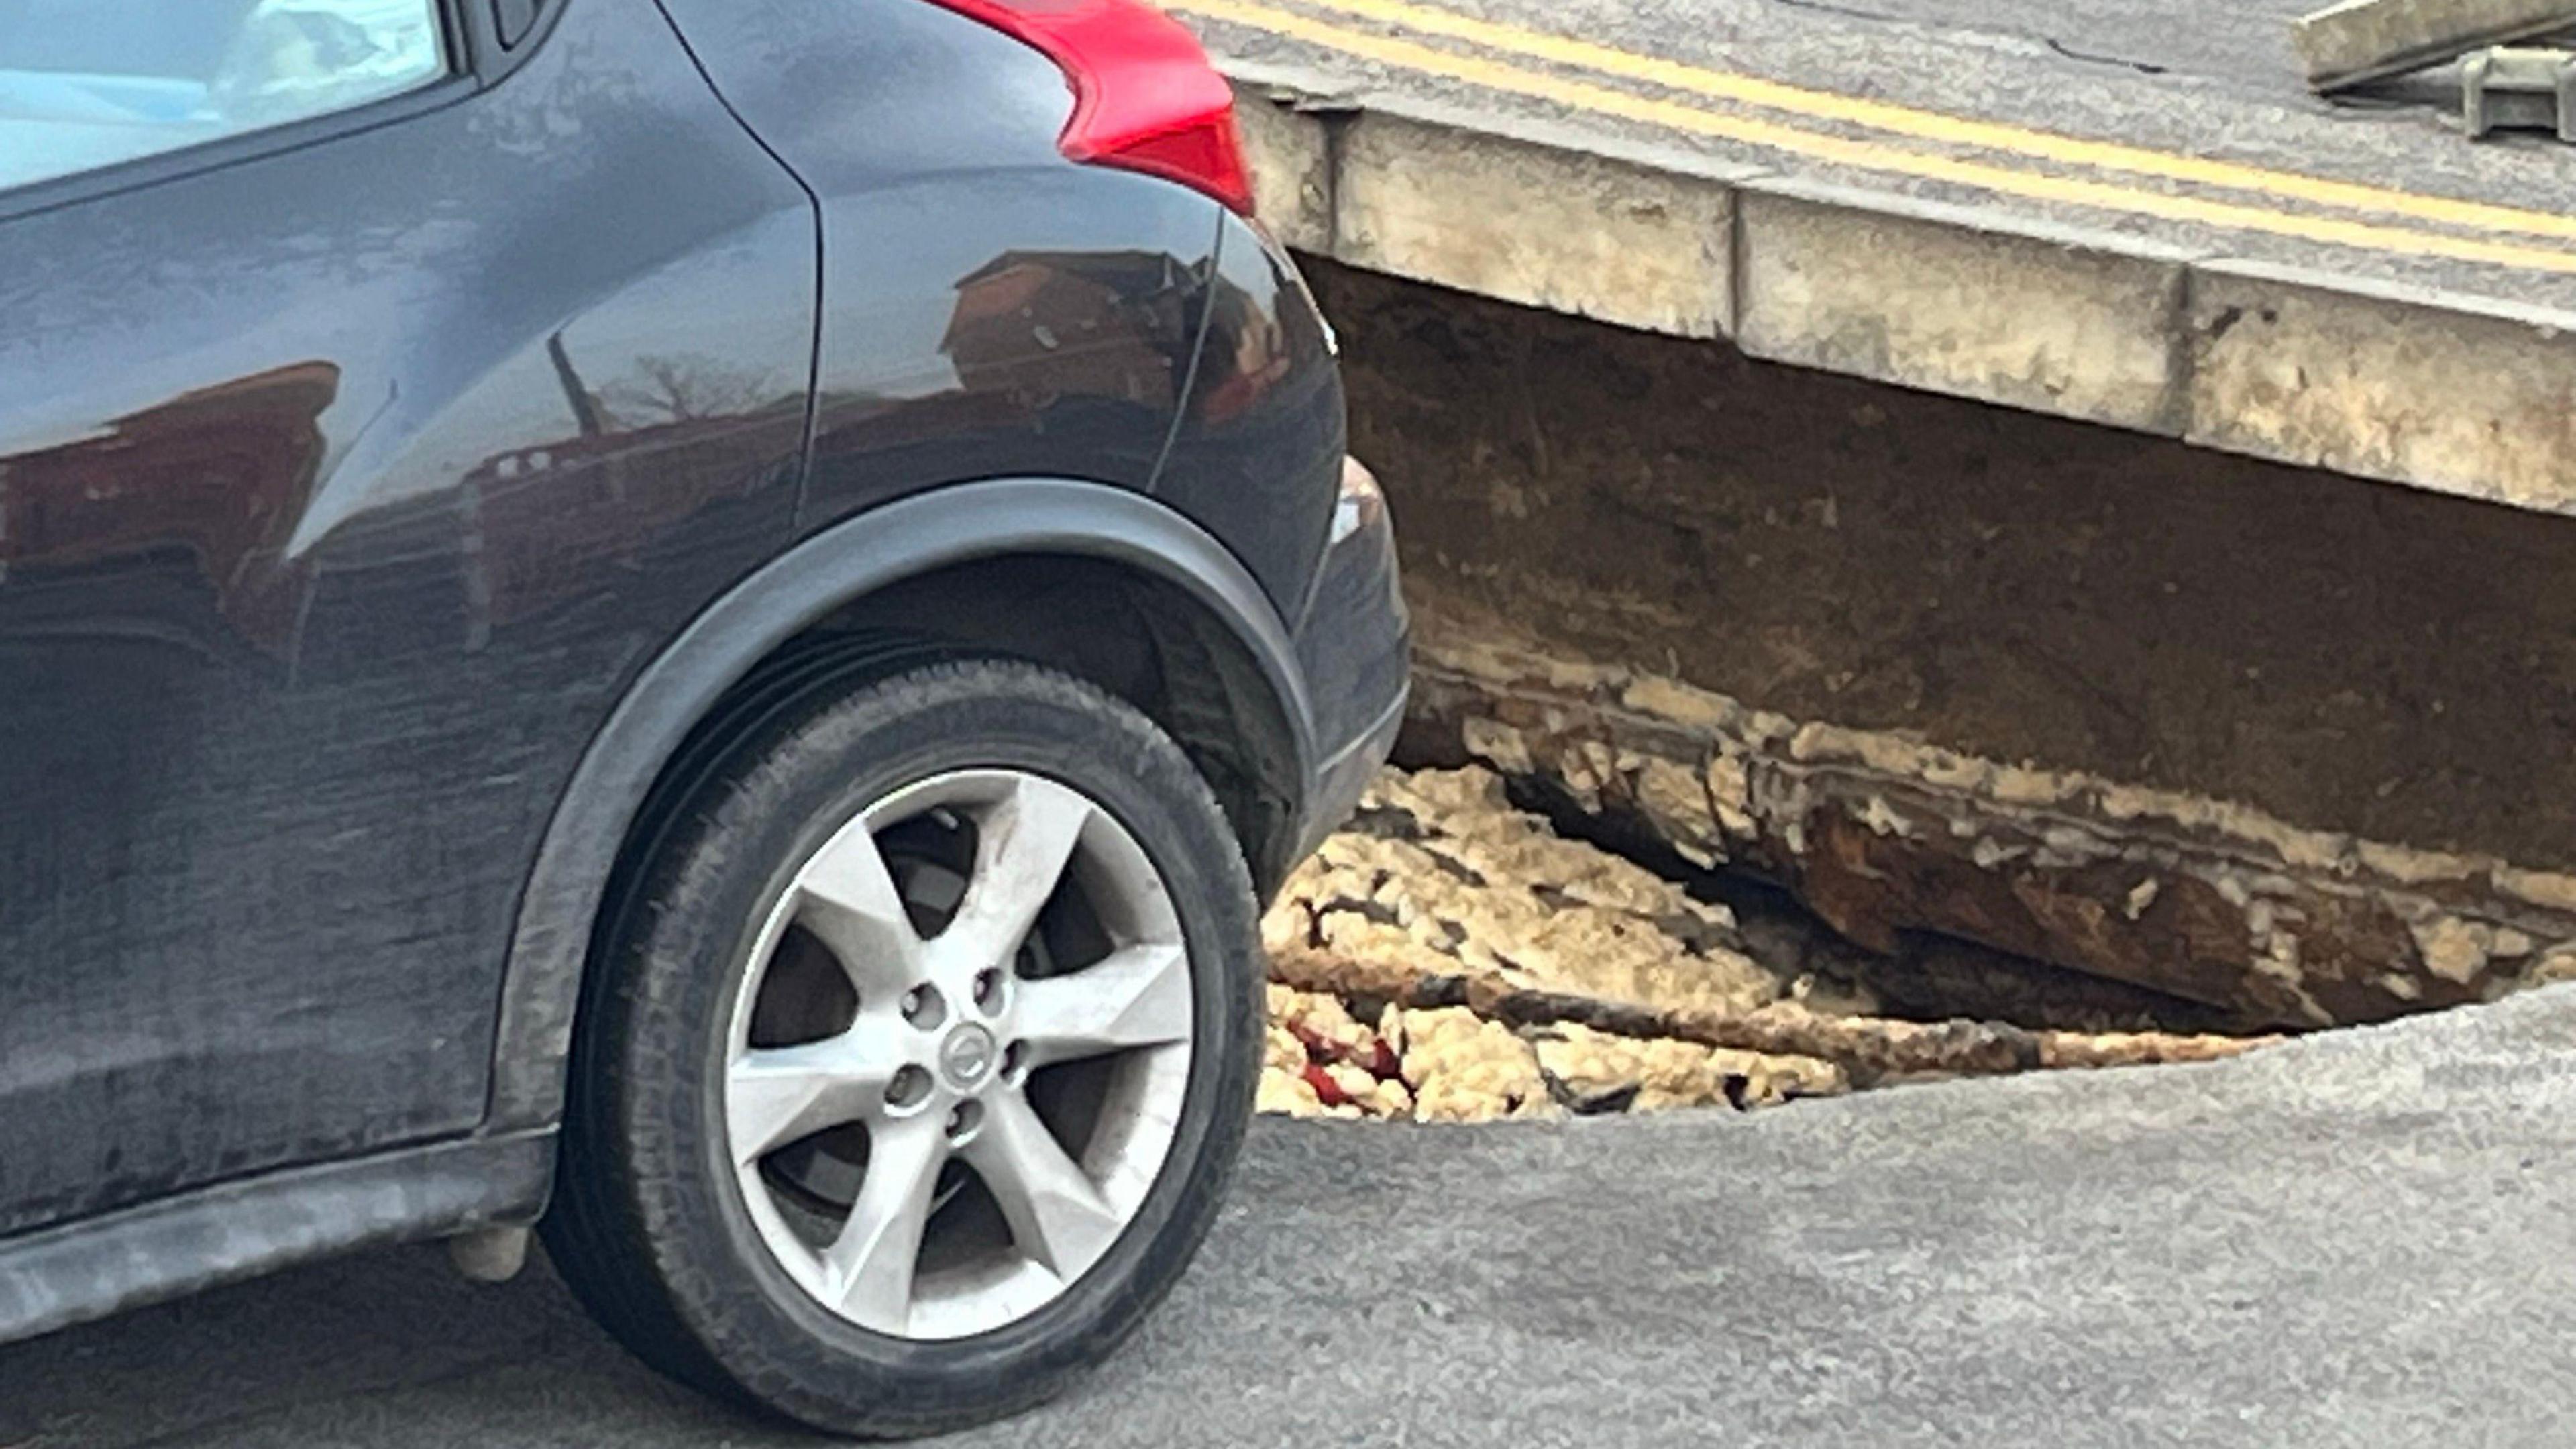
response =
{"points": [[1542, 221], [1288, 146], [1961, 302], [2359, 40], [2459, 395]]}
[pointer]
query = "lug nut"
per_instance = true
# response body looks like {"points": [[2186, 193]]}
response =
{"points": [[963, 1119], [988, 988], [923, 1008], [910, 1088]]}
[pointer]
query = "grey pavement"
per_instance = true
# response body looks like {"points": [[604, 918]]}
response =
{"points": [[2360, 1239]]}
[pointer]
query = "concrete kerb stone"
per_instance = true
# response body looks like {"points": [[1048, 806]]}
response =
{"points": [[1287, 128], [1539, 222], [1943, 298], [1635, 235], [2454, 394]]}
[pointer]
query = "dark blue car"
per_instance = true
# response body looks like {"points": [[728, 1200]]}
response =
{"points": [[703, 620]]}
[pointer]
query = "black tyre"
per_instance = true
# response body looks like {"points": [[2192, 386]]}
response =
{"points": [[916, 1050]]}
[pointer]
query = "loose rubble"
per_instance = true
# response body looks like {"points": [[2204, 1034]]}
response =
{"points": [[1449, 957]]}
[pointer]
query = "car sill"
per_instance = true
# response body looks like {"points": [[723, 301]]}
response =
{"points": [[62, 1275]]}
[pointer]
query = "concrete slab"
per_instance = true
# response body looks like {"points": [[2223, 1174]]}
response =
{"points": [[2359, 40], [1288, 137], [1936, 297], [2019, 203], [1614, 233], [2456, 394]]}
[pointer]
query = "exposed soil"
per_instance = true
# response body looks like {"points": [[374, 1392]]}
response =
{"points": [[2349, 656]]}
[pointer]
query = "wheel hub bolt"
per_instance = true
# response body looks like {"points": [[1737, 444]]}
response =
{"points": [[923, 1008], [910, 1088]]}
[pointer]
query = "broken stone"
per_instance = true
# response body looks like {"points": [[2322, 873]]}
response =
{"points": [[1517, 973], [1872, 1050], [2558, 966], [1461, 1068], [1320, 1024], [1885, 836], [1479, 887], [1676, 801], [2453, 949], [1652, 1076], [1280, 1049], [1286, 1095]]}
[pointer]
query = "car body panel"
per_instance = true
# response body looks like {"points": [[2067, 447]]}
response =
{"points": [[1258, 454], [341, 501], [992, 309], [240, 1229], [1354, 650]]}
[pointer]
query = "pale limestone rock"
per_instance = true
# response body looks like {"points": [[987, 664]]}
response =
{"points": [[1730, 790], [1354, 1082], [1282, 929], [1447, 892], [1464, 1069], [1315, 1016], [1280, 1049], [1776, 787], [2453, 949], [1389, 1098], [1676, 802], [1483, 889], [2559, 965], [1500, 744], [1286, 1094], [1668, 1074]]}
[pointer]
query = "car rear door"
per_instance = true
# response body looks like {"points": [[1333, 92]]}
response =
{"points": [[375, 397]]}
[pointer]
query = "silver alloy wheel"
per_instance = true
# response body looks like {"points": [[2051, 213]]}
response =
{"points": [[936, 1060]]}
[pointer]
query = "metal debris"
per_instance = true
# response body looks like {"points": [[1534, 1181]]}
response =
{"points": [[2508, 88]]}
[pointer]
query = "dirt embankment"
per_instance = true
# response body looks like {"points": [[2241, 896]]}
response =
{"points": [[1975, 686]]}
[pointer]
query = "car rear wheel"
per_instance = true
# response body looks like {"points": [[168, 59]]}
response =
{"points": [[916, 1052]]}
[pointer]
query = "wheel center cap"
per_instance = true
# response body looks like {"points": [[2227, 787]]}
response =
{"points": [[966, 1057]]}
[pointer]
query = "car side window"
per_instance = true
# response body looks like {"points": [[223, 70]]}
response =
{"points": [[90, 83]]}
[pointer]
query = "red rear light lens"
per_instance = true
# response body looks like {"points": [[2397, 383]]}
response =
{"points": [[1144, 95]]}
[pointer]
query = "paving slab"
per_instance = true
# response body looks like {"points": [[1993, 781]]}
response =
{"points": [[2358, 1239], [2023, 203]]}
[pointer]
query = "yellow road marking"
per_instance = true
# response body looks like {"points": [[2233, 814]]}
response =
{"points": [[1868, 156], [1954, 130]]}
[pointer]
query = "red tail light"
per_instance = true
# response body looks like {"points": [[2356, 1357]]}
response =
{"points": [[1144, 95]]}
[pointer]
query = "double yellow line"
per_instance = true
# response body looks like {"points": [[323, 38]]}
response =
{"points": [[2407, 224]]}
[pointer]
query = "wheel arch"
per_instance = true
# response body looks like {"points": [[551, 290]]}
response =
{"points": [[951, 533]]}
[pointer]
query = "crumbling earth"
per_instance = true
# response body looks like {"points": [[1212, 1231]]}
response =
{"points": [[1450, 957]]}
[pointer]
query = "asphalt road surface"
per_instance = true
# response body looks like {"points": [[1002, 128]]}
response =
{"points": [[2362, 1239]]}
